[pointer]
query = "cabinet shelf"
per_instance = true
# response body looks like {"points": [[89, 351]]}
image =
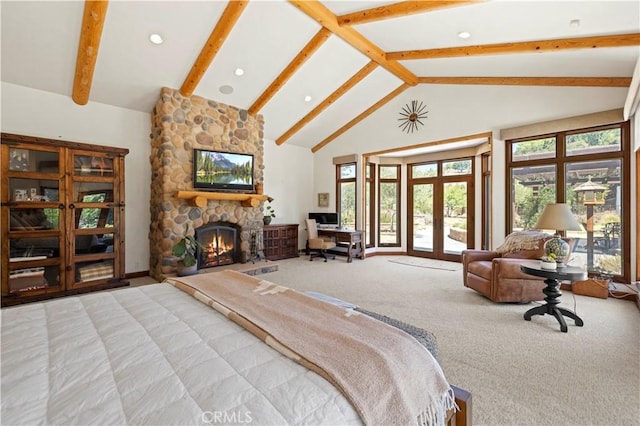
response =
{"points": [[200, 198]]}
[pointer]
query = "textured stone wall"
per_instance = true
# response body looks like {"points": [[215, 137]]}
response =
{"points": [[179, 124]]}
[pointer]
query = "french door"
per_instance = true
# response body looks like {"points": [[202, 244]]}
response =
{"points": [[440, 222]]}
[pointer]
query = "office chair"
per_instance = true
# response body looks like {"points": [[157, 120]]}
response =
{"points": [[317, 246]]}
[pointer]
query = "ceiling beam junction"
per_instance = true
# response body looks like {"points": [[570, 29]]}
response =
{"points": [[327, 19], [537, 46], [221, 31], [88, 46], [355, 79], [395, 10], [313, 45]]}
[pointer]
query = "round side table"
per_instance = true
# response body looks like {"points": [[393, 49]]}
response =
{"points": [[552, 280]]}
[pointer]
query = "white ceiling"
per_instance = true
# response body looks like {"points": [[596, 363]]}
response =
{"points": [[40, 41]]}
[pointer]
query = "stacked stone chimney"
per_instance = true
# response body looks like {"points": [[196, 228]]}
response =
{"points": [[179, 124]]}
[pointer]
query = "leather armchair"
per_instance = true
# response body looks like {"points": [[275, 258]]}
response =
{"points": [[497, 276]]}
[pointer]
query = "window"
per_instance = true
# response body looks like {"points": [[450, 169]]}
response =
{"points": [[589, 169], [369, 204], [346, 190], [486, 201], [389, 206]]}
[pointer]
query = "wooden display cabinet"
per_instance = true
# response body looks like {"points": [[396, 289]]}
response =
{"points": [[62, 218], [280, 241]]}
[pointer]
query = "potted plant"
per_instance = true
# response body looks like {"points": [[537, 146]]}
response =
{"points": [[269, 213], [186, 249], [548, 261]]}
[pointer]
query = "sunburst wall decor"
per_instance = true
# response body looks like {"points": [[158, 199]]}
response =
{"points": [[411, 115]]}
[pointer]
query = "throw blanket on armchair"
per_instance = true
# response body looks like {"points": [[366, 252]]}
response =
{"points": [[386, 374]]}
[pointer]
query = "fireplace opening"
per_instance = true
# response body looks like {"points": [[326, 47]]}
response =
{"points": [[219, 244]]}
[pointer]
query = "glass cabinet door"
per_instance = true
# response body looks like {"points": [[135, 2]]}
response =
{"points": [[31, 217], [92, 213]]}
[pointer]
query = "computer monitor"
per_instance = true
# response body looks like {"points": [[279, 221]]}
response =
{"points": [[325, 219]]}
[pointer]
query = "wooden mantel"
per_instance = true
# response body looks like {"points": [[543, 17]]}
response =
{"points": [[200, 198]]}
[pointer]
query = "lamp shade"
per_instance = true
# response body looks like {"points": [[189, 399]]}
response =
{"points": [[557, 217]]}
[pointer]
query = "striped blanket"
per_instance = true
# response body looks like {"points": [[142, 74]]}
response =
{"points": [[386, 374]]}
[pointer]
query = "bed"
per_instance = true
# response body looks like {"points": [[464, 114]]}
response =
{"points": [[174, 353]]}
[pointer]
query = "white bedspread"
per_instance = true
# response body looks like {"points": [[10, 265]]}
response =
{"points": [[151, 355]]}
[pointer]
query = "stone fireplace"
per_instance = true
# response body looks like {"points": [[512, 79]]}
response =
{"points": [[179, 124]]}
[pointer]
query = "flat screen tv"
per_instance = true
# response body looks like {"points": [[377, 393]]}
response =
{"points": [[326, 219], [222, 171]]}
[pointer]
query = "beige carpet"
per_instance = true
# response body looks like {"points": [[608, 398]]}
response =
{"points": [[519, 372], [426, 263]]}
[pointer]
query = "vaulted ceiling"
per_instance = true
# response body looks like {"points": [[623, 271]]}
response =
{"points": [[347, 58]]}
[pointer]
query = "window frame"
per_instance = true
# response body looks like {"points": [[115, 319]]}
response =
{"points": [[561, 160], [370, 183], [339, 182], [398, 181]]}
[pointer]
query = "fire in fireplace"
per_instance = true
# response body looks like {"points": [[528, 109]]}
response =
{"points": [[219, 241]]}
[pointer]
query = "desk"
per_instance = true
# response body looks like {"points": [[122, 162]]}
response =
{"points": [[349, 238], [552, 280]]}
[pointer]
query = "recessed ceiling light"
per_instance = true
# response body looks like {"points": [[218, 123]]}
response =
{"points": [[226, 89], [307, 98], [575, 23], [155, 39], [464, 34], [239, 71]]}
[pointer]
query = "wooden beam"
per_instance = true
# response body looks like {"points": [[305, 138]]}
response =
{"points": [[531, 81], [395, 10], [313, 45], [484, 135], [327, 19], [225, 24], [537, 46], [361, 117], [357, 77], [92, 24]]}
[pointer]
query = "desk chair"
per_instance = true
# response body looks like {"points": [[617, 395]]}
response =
{"points": [[318, 246]]}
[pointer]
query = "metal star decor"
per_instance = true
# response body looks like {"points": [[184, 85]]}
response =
{"points": [[411, 115]]}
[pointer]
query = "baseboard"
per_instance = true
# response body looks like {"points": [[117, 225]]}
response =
{"points": [[136, 274], [386, 253]]}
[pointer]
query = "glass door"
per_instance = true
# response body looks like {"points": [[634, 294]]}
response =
{"points": [[31, 225], [454, 217], [93, 206], [422, 219], [440, 204]]}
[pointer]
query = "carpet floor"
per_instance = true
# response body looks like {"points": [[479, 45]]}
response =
{"points": [[519, 372]]}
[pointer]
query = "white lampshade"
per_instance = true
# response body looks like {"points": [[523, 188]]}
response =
{"points": [[558, 217]]}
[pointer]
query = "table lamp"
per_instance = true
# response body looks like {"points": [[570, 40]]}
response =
{"points": [[559, 218]]}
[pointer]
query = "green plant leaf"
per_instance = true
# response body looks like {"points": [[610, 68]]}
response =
{"points": [[189, 259], [180, 248]]}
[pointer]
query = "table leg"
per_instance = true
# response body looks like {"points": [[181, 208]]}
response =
{"points": [[551, 308]]}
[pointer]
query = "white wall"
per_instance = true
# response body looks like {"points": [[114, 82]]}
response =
{"points": [[36, 113], [288, 178]]}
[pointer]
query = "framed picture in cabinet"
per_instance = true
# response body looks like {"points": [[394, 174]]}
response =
{"points": [[18, 159]]}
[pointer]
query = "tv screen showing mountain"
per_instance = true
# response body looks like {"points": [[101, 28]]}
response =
{"points": [[222, 171]]}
